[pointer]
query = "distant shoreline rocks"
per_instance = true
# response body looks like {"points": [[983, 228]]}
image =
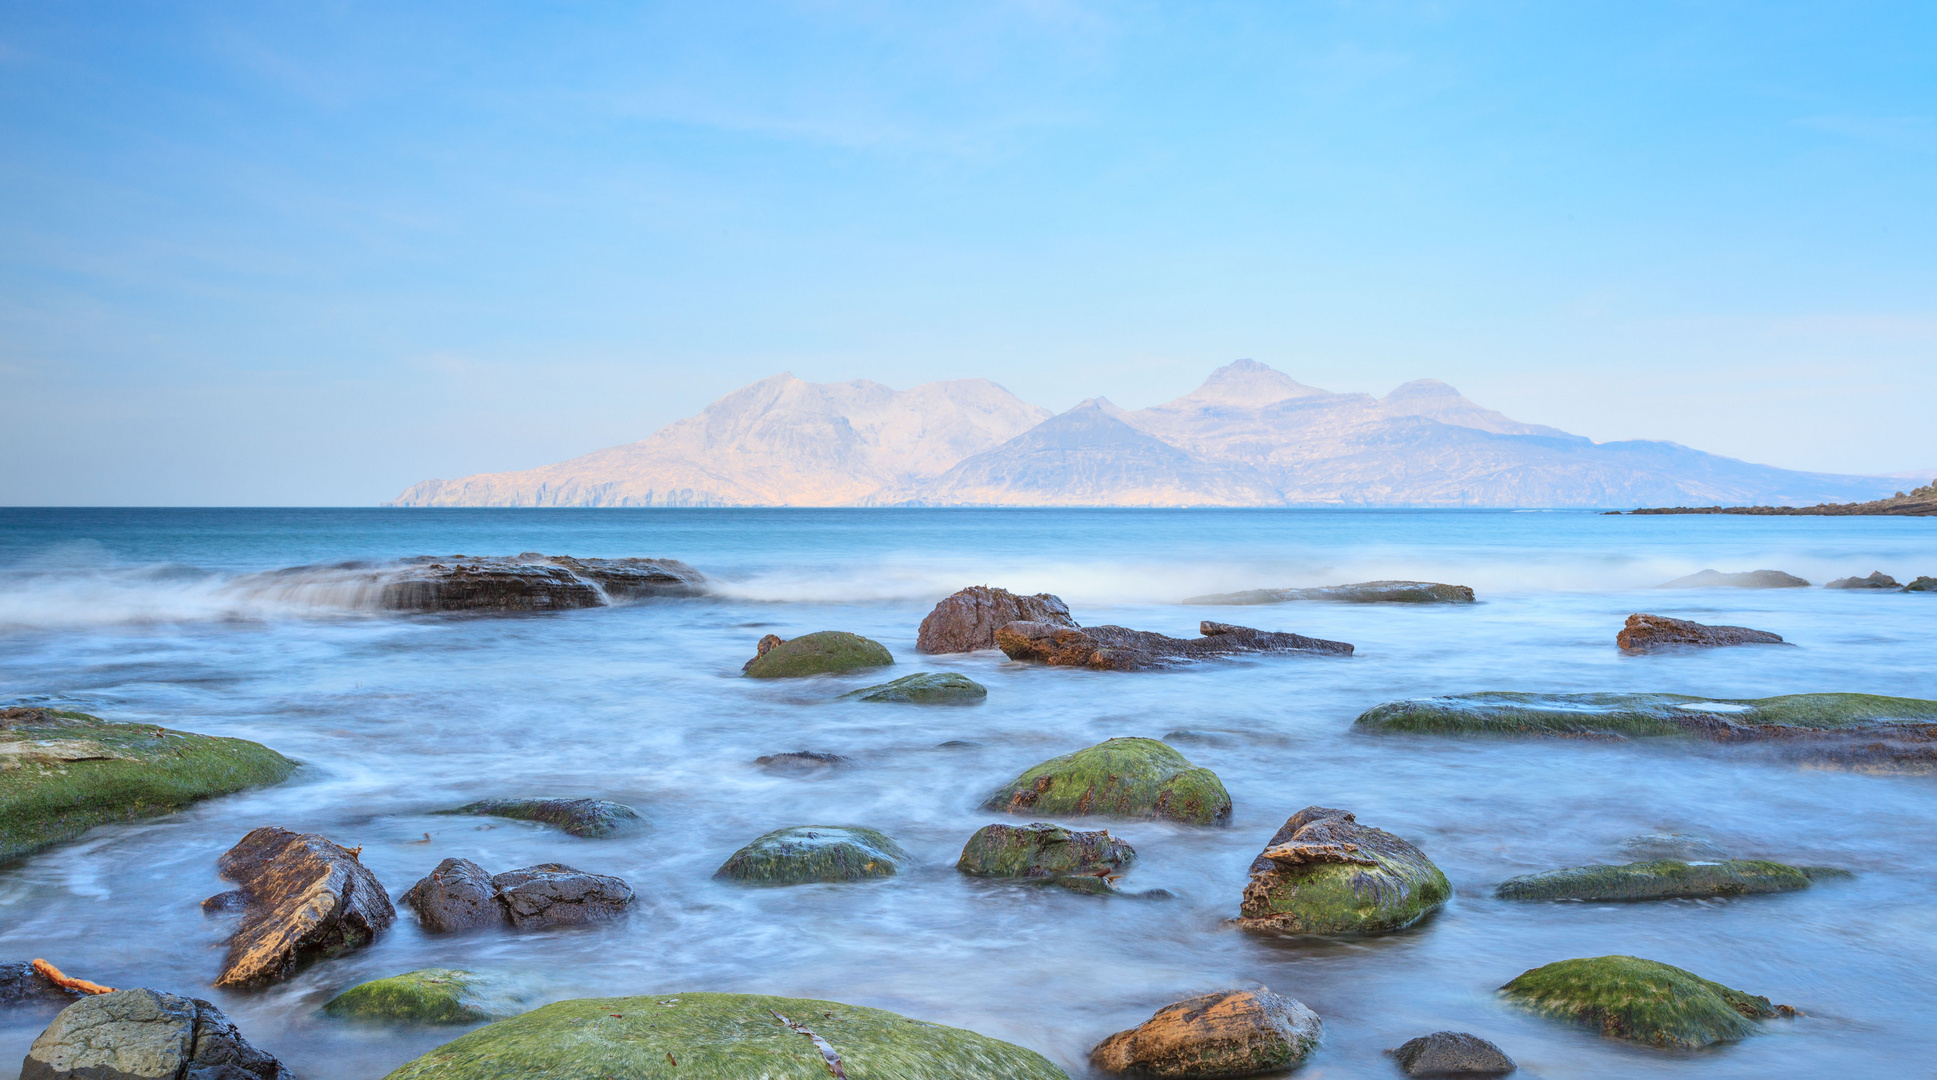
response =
{"points": [[528, 582], [1748, 579], [1364, 592], [967, 621], [1920, 502]]}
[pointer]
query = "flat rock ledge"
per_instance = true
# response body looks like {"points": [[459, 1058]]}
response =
{"points": [[460, 895], [146, 1035], [1645, 633], [1876, 580], [1229, 1033], [302, 898], [1451, 1053], [1364, 592], [491, 583], [1645, 1001], [1664, 879], [967, 621], [1324, 873], [1117, 648]]}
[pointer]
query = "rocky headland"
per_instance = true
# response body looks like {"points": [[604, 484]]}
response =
{"points": [[1919, 502]]}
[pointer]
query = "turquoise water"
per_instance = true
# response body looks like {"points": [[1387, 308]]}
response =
{"points": [[158, 616]]}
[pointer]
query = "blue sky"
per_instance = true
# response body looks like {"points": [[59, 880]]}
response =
{"points": [[312, 253]]}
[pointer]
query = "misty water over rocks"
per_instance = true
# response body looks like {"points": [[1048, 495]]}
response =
{"points": [[156, 616]]}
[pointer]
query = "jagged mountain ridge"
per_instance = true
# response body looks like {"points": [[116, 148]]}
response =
{"points": [[1249, 436]]}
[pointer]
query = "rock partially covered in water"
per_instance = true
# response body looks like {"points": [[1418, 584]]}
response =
{"points": [[458, 896], [22, 985], [427, 996], [1626, 997], [591, 818], [303, 899], [1877, 580], [1364, 592], [822, 653], [1117, 648], [811, 853], [1324, 873], [1661, 879], [1451, 1053], [527, 582], [1648, 632], [1126, 778], [1047, 853], [1685, 846], [1232, 1033], [1748, 579], [62, 773], [967, 621], [146, 1035], [926, 688], [675, 1036]]}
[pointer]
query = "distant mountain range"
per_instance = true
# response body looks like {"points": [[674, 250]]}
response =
{"points": [[1250, 436]]}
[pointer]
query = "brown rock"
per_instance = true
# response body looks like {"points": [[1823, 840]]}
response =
{"points": [[1232, 1033], [304, 899], [1117, 648], [553, 895], [458, 895], [1645, 632], [968, 620]]}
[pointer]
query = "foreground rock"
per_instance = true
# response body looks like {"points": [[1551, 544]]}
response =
{"points": [[1365, 592], [527, 582], [1645, 633], [1451, 1053], [429, 996], [1877, 580], [813, 853], [62, 773], [1324, 873], [590, 818], [302, 898], [1233, 1033], [1126, 778], [1862, 730], [826, 652], [925, 688], [1748, 579], [1626, 997], [146, 1035], [1117, 648], [1084, 861], [459, 895], [1663, 879], [967, 621], [688, 1035]]}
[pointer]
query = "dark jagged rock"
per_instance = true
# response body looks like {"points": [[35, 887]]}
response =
{"points": [[1684, 846], [1117, 648], [1626, 997], [21, 985], [1451, 1053], [802, 763], [526, 582], [814, 853], [967, 621], [62, 773], [146, 1035], [304, 899], [429, 996], [1324, 873], [1127, 778], [1748, 579], [1364, 592], [1047, 853], [822, 653], [1232, 1033], [459, 896], [925, 688], [590, 818], [1644, 633], [1877, 580], [1660, 879]]}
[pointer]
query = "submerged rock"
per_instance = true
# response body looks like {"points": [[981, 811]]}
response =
{"points": [[811, 853], [681, 1036], [1047, 853], [802, 763], [1626, 997], [1646, 632], [1685, 846], [1232, 1033], [1877, 580], [1748, 579], [62, 773], [527, 582], [967, 621], [1661, 879], [303, 899], [591, 818], [1117, 648], [428, 996], [1364, 592], [926, 688], [1126, 778], [1451, 1053], [1324, 873], [459, 896], [821, 653], [146, 1035]]}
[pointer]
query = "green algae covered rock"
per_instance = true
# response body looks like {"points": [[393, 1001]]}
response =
{"points": [[1662, 879], [809, 853], [1626, 997], [590, 818], [723, 1037], [822, 653], [1922, 584], [1045, 852], [926, 688], [429, 996], [62, 773], [1499, 713], [1324, 873], [1126, 778]]}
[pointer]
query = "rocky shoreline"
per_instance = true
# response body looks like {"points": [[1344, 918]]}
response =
{"points": [[1920, 502]]}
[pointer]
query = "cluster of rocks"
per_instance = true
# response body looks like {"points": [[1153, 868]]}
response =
{"points": [[1876, 580], [461, 895]]}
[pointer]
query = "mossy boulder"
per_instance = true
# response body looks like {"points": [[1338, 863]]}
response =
{"points": [[1626, 997], [1126, 778], [62, 773], [926, 688], [590, 818], [1046, 852], [1661, 879], [700, 1036], [823, 653], [1324, 873], [429, 996], [810, 853]]}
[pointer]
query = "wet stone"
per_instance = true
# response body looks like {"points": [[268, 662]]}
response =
{"points": [[1230, 1033], [144, 1034], [1451, 1053], [805, 854]]}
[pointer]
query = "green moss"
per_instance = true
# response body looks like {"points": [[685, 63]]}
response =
{"points": [[62, 773], [810, 853], [591, 818], [1127, 778], [819, 653], [721, 1037], [1042, 851], [429, 996], [1345, 898], [1632, 715], [926, 688], [1663, 879], [1627, 997]]}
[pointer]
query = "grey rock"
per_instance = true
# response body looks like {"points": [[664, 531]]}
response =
{"points": [[458, 895], [21, 985], [590, 818], [1452, 1053], [550, 894], [145, 1035]]}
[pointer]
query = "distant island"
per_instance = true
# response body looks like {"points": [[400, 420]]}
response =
{"points": [[1920, 502]]}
